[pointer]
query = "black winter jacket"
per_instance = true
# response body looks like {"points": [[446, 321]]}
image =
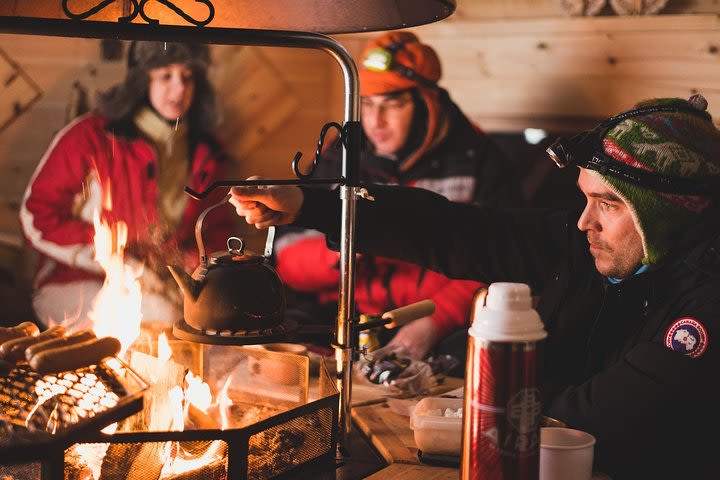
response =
{"points": [[608, 371]]}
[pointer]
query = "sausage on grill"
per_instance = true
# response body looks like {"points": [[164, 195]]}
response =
{"points": [[77, 337], [72, 357], [25, 329], [14, 350]]}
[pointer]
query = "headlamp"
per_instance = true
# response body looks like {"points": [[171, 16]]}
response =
{"points": [[383, 60], [586, 151], [378, 60]]}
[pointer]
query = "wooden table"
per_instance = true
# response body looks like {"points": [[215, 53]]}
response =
{"points": [[400, 471], [391, 435]]}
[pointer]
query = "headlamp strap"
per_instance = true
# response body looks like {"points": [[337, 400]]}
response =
{"points": [[606, 165], [586, 150], [650, 109]]}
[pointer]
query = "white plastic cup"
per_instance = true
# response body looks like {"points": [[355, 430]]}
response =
{"points": [[565, 454]]}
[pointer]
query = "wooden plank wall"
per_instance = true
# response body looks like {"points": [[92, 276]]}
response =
{"points": [[562, 73]]}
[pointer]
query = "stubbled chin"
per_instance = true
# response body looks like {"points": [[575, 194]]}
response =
{"points": [[600, 265]]}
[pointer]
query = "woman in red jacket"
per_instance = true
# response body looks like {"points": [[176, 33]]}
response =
{"points": [[150, 136]]}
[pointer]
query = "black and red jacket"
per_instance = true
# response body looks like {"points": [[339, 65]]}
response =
{"points": [[463, 165], [614, 366]]}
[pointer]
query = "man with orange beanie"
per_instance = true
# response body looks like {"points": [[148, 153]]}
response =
{"points": [[413, 135]]}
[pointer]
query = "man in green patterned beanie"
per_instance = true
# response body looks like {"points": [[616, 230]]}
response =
{"points": [[629, 298], [650, 175], [672, 144]]}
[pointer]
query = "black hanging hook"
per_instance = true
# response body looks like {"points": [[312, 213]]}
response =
{"points": [[345, 133], [318, 151]]}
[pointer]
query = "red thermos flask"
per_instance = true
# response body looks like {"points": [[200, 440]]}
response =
{"points": [[502, 405]]}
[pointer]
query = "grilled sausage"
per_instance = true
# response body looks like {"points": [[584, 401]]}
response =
{"points": [[25, 329], [14, 350], [77, 337], [72, 357]]}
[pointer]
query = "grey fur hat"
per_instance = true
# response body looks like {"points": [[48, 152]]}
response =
{"points": [[148, 55], [119, 103]]}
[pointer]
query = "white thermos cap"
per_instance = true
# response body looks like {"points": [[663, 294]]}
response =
{"points": [[507, 315]]}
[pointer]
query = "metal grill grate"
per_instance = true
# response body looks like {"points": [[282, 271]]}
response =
{"points": [[54, 402], [174, 460], [285, 446], [298, 434], [38, 410], [22, 471]]}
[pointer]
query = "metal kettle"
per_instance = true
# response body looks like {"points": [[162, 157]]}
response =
{"points": [[231, 291]]}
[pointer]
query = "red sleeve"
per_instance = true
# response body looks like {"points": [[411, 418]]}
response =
{"points": [[453, 305], [453, 298], [46, 214], [307, 265]]}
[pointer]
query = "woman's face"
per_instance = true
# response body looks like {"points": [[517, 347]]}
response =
{"points": [[171, 90]]}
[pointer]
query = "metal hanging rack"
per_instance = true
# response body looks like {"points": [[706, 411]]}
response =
{"points": [[404, 13]]}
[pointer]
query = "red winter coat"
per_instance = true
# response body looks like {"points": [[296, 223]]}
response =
{"points": [[85, 153]]}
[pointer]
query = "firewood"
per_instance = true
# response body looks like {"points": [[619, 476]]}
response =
{"points": [[200, 419], [213, 470]]}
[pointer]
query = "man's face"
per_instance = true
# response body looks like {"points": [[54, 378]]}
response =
{"points": [[386, 120], [615, 243], [171, 90]]}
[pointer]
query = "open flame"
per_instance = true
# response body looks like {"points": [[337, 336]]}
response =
{"points": [[116, 310], [163, 348], [195, 396]]}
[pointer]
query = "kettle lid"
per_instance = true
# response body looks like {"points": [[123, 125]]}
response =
{"points": [[235, 254]]}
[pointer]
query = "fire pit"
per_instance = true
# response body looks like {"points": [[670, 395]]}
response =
{"points": [[259, 428]]}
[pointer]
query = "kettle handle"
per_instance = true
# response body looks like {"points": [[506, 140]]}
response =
{"points": [[198, 228], [198, 233]]}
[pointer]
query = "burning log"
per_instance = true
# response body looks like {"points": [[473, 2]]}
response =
{"points": [[166, 374], [145, 461], [214, 470], [201, 420]]}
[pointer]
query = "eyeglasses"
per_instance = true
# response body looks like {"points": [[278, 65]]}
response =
{"points": [[384, 105], [585, 150]]}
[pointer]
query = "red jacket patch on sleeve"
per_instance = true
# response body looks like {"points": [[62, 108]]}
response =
{"points": [[687, 336]]}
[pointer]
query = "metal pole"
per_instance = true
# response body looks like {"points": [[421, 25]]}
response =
{"points": [[344, 353]]}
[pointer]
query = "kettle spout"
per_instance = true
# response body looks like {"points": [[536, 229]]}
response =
{"points": [[190, 287]]}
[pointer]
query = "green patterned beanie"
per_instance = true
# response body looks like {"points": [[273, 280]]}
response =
{"points": [[673, 144]]}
